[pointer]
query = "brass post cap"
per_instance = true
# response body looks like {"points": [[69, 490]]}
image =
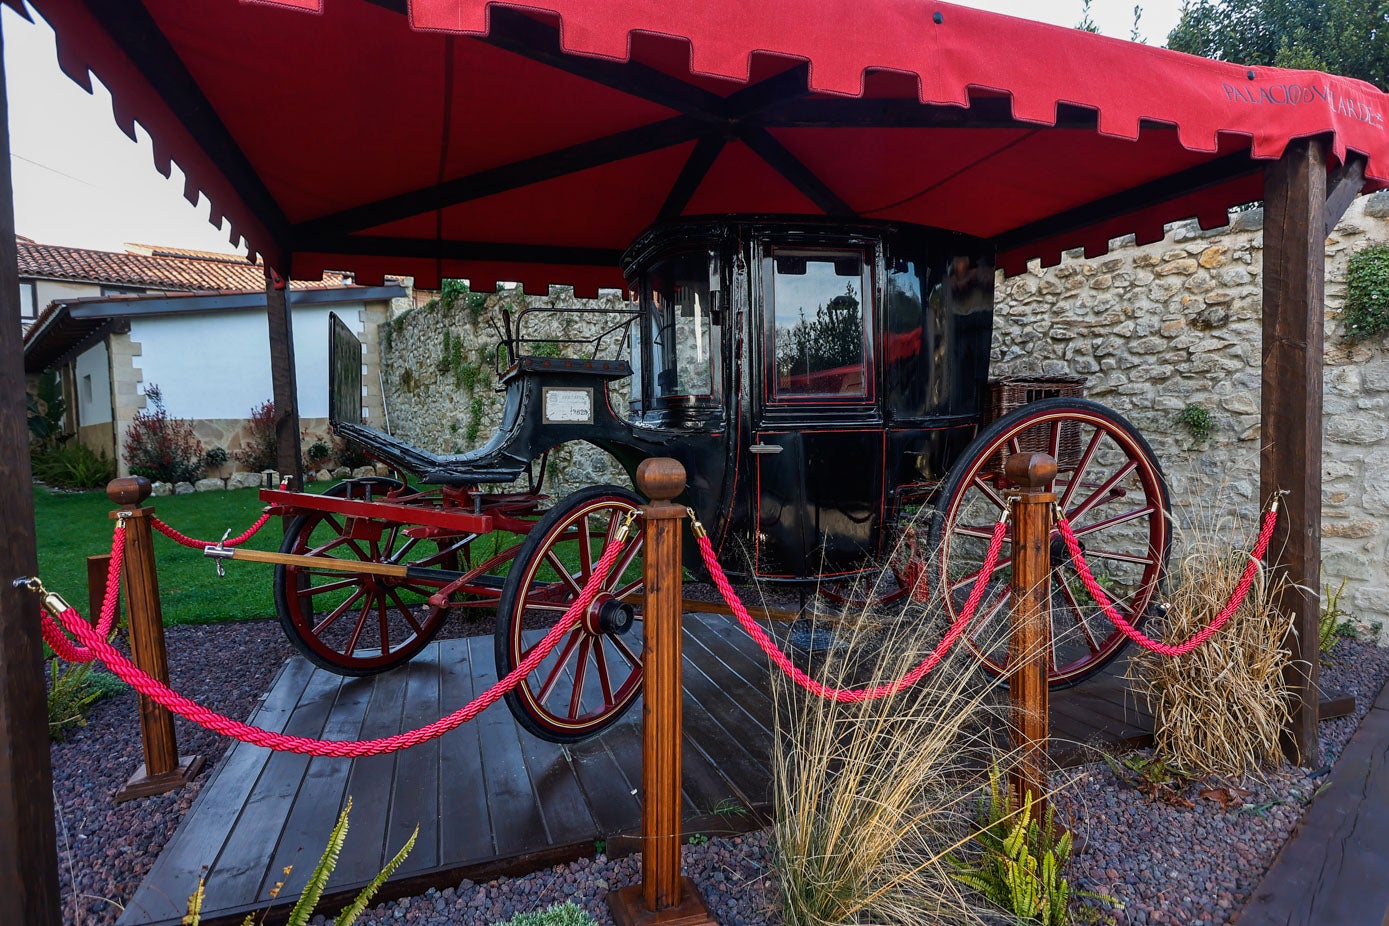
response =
{"points": [[661, 478], [1029, 470], [128, 490]]}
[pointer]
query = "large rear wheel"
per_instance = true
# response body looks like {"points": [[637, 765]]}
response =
{"points": [[594, 674], [1112, 491]]}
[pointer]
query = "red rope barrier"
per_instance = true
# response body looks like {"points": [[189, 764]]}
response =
{"points": [[53, 634], [195, 544], [1202, 635], [856, 695], [133, 676]]}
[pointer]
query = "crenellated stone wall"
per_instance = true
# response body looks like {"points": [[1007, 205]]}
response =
{"points": [[1177, 323]]}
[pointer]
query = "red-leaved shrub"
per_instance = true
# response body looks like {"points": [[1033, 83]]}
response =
{"points": [[162, 448], [260, 450]]}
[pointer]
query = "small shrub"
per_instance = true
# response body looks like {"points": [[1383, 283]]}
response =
{"points": [[349, 454], [73, 467], [1366, 311], [319, 454], [160, 447], [1334, 622], [215, 458], [1198, 420], [563, 914], [261, 449], [46, 409], [304, 908], [72, 691]]}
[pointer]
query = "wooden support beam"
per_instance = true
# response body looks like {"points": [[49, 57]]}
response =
{"points": [[696, 168], [28, 840], [796, 173], [1291, 424], [1342, 187], [1029, 642], [285, 390]]}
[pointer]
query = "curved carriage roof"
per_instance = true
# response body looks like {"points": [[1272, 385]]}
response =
{"points": [[463, 138]]}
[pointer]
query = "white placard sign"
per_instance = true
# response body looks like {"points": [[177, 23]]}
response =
{"points": [[568, 406]]}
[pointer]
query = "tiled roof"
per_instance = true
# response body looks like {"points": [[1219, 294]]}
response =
{"points": [[205, 271]]}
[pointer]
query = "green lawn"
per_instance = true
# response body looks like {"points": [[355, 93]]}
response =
{"points": [[74, 525]]}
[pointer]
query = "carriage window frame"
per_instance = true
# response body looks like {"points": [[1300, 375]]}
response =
{"points": [[652, 395], [772, 392]]}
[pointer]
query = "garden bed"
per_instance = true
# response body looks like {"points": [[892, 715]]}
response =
{"points": [[1160, 861]]}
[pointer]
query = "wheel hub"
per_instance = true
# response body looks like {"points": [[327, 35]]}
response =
{"points": [[609, 615]]}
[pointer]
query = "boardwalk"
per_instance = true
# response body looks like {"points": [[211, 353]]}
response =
{"points": [[489, 798]]}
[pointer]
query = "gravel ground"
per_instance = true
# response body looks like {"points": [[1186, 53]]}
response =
{"points": [[1162, 864]]}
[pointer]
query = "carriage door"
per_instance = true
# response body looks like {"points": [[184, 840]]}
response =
{"points": [[818, 434]]}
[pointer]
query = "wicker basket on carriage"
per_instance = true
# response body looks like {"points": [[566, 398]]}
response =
{"points": [[1009, 392]]}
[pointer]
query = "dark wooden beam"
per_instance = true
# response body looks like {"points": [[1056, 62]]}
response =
{"points": [[1342, 187], [791, 84], [908, 113], [519, 34], [1212, 173], [130, 25], [790, 167], [1291, 423], [384, 246], [538, 169], [28, 841], [692, 175], [284, 388]]}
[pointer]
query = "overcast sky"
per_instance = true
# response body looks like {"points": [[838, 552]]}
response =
{"points": [[80, 181]]}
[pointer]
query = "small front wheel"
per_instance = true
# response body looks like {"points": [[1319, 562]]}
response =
{"points": [[594, 674]]}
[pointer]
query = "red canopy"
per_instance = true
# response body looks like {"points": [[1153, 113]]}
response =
{"points": [[463, 138]]}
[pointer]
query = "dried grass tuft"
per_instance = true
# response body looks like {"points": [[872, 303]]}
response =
{"points": [[872, 798], [1219, 709]]}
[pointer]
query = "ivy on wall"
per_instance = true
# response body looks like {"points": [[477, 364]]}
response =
{"points": [[1366, 311]]}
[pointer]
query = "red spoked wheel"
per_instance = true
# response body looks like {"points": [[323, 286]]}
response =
{"points": [[594, 674], [357, 624], [1112, 491]]}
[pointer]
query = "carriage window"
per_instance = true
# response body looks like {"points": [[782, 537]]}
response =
{"points": [[684, 337], [818, 322]]}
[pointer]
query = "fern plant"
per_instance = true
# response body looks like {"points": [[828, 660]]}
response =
{"points": [[305, 908], [1023, 864]]}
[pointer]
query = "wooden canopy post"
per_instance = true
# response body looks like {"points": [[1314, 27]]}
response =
{"points": [[664, 896], [163, 769], [1029, 643], [28, 839], [284, 388], [1291, 423]]}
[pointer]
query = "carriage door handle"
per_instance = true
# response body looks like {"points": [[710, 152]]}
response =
{"points": [[765, 448]]}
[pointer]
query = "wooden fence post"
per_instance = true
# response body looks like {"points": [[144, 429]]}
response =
{"points": [[163, 769], [1029, 645], [664, 896]]}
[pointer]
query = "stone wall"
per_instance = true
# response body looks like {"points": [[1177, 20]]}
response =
{"points": [[440, 363], [1177, 323]]}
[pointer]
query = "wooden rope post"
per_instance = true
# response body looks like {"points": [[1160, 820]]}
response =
{"points": [[664, 896], [163, 769], [1029, 645]]}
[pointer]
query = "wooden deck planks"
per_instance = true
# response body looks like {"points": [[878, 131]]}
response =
{"points": [[490, 798], [1332, 871]]}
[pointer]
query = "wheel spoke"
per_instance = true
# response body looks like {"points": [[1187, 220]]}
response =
{"points": [[989, 492], [627, 654], [357, 630], [600, 663], [1100, 494], [327, 586], [1079, 473], [980, 622], [629, 588], [585, 549], [968, 581], [1117, 557], [384, 621], [1054, 441], [563, 571], [1079, 613], [337, 612], [405, 612], [624, 560], [1113, 521], [580, 674], [555, 673]]}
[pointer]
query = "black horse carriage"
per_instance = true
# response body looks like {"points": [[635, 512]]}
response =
{"points": [[825, 386]]}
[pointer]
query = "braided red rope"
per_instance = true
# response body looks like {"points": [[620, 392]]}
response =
{"points": [[133, 676], [1202, 635], [53, 634], [855, 695], [187, 541]]}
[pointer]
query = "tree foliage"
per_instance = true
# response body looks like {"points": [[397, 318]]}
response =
{"points": [[1349, 37]]}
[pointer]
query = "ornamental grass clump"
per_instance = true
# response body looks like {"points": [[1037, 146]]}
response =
{"points": [[1220, 708], [873, 798]]}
